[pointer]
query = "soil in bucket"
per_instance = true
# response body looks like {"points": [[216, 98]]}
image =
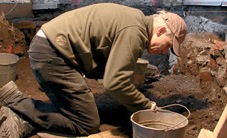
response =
{"points": [[7, 68], [159, 124]]}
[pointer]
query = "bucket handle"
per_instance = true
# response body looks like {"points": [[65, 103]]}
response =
{"points": [[171, 105]]}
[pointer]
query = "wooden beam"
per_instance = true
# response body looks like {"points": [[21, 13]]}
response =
{"points": [[204, 133], [220, 129]]}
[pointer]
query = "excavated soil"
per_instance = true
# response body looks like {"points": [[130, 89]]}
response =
{"points": [[205, 98], [204, 103]]}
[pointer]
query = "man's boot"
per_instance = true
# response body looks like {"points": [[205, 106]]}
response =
{"points": [[11, 125], [7, 92]]}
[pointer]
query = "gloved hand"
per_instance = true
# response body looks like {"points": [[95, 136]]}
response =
{"points": [[154, 106]]}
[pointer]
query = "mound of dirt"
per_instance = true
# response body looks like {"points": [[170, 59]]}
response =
{"points": [[204, 60], [12, 40], [202, 95], [198, 82]]}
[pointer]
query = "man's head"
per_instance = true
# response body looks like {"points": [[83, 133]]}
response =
{"points": [[169, 31]]}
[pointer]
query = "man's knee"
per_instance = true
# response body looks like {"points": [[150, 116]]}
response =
{"points": [[93, 127]]}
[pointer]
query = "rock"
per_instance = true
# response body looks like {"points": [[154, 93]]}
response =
{"points": [[222, 74], [205, 76], [152, 70], [225, 89]]}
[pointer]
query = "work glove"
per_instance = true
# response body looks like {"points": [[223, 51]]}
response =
{"points": [[154, 106]]}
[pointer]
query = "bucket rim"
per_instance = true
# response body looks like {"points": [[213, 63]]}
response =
{"points": [[10, 63], [163, 110]]}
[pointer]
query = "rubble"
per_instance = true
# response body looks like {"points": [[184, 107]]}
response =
{"points": [[199, 24], [205, 58], [12, 40]]}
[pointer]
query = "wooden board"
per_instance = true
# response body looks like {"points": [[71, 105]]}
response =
{"points": [[220, 129]]}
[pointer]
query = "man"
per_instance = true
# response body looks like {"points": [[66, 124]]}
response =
{"points": [[98, 41]]}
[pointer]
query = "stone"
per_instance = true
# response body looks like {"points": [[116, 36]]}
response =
{"points": [[205, 76], [225, 89]]}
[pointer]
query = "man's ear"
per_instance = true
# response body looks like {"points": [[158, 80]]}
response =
{"points": [[161, 31]]}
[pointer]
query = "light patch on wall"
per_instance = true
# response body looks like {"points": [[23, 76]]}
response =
{"points": [[224, 3], [203, 2]]}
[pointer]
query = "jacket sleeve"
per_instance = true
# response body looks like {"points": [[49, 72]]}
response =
{"points": [[127, 47]]}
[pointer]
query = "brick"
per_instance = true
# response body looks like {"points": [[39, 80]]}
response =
{"points": [[205, 76]]}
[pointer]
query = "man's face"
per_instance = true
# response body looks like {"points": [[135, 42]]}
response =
{"points": [[159, 44]]}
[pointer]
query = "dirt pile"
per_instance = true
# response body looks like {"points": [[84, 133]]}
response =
{"points": [[205, 56], [199, 81], [12, 40]]}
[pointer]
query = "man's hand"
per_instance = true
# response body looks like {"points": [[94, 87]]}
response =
{"points": [[154, 106]]}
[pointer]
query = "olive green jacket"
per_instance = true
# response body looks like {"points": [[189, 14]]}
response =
{"points": [[105, 35]]}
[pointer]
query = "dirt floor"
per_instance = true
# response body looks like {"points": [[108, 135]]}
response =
{"points": [[205, 98], [205, 104]]}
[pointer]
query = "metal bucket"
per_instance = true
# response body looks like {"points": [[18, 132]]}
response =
{"points": [[7, 68], [159, 124]]}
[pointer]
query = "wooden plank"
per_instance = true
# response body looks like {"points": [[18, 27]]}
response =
{"points": [[115, 133], [221, 127], [54, 135], [204, 133], [219, 130]]}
